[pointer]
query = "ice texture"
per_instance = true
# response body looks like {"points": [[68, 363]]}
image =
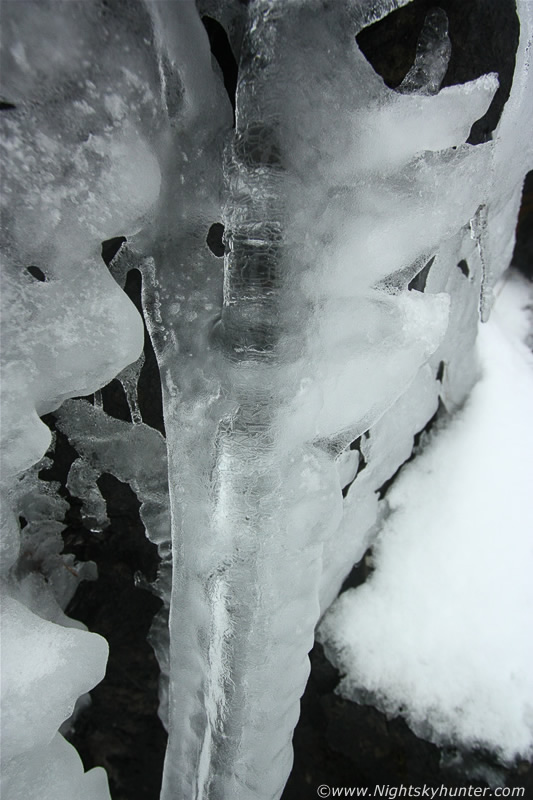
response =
{"points": [[135, 454], [53, 772], [318, 337], [300, 365], [441, 632], [41, 679], [77, 168]]}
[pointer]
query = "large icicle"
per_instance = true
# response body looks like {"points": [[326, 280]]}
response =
{"points": [[260, 396]]}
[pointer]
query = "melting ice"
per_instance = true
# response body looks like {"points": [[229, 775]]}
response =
{"points": [[301, 365]]}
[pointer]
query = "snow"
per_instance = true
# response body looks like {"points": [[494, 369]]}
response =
{"points": [[441, 632]]}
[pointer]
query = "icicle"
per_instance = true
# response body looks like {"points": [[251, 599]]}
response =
{"points": [[478, 228], [129, 379], [433, 53]]}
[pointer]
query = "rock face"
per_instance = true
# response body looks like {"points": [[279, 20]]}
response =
{"points": [[363, 221]]}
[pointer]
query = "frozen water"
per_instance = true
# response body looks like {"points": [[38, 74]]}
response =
{"points": [[81, 483], [441, 631], [432, 56], [40, 682], [135, 454], [337, 316], [53, 772], [76, 169]]}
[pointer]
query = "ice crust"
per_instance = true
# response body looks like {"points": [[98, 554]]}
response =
{"points": [[337, 317], [441, 632], [45, 668]]}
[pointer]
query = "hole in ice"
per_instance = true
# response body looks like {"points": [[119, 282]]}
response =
{"points": [[149, 389], [484, 38], [22, 522], [222, 52], [115, 402], [359, 572], [440, 372], [111, 247], [418, 283], [215, 239], [463, 266], [389, 45], [355, 445], [5, 106], [37, 273]]}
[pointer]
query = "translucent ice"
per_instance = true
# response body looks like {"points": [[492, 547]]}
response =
{"points": [[53, 772], [40, 681], [332, 326], [77, 168]]}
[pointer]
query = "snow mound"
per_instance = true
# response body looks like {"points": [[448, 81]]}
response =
{"points": [[441, 633]]}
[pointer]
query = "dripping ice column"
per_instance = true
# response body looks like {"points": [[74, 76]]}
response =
{"points": [[244, 510]]}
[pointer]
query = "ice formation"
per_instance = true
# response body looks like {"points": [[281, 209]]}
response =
{"points": [[437, 633], [299, 366]]}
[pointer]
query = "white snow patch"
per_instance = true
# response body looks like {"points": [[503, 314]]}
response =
{"points": [[442, 630]]}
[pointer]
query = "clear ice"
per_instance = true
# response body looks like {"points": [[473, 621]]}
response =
{"points": [[302, 363]]}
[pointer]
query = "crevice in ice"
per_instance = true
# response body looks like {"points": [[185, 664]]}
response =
{"points": [[129, 377], [115, 402], [484, 38], [413, 276], [418, 283], [440, 372], [419, 441], [523, 249], [223, 54], [148, 389], [215, 239], [355, 447], [4, 106], [359, 573], [135, 394], [36, 272], [111, 247], [463, 266]]}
